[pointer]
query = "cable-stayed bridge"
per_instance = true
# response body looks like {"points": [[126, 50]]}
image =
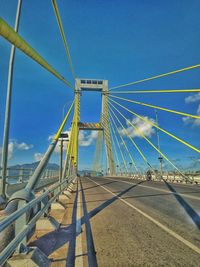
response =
{"points": [[118, 215]]}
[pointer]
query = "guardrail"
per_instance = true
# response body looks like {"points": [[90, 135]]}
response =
{"points": [[12, 188], [23, 220], [169, 177], [18, 175], [17, 178]]}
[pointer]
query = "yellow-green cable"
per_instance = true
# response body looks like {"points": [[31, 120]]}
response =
{"points": [[158, 107], [158, 127], [115, 149], [131, 139], [76, 128], [72, 139], [156, 91], [118, 144], [14, 38], [122, 139], [157, 76], [57, 135], [140, 133], [55, 6]]}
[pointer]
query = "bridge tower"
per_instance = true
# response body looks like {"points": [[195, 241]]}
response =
{"points": [[103, 127]]}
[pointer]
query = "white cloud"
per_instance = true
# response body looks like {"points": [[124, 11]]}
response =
{"points": [[10, 150], [23, 146], [57, 148], [50, 137], [84, 139], [38, 156], [144, 127], [87, 139], [186, 120], [14, 146], [198, 110], [192, 98], [188, 100], [194, 122]]}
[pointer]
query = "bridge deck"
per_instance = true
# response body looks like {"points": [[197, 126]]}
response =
{"points": [[132, 223], [124, 237]]}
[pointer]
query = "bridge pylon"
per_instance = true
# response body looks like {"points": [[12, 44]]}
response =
{"points": [[94, 85]]}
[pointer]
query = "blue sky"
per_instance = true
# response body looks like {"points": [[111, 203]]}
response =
{"points": [[121, 41]]}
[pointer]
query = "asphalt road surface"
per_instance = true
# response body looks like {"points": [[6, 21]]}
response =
{"points": [[139, 223]]}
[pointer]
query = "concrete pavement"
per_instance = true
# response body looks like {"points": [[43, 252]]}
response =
{"points": [[137, 223], [124, 222]]}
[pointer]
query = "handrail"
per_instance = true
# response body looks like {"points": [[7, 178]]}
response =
{"points": [[14, 38], [11, 247], [11, 218]]}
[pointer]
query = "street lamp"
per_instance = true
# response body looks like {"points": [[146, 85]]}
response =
{"points": [[122, 169], [63, 110], [130, 163], [158, 140], [63, 137], [161, 166], [117, 166], [4, 158]]}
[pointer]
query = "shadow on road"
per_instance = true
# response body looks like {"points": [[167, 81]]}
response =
{"points": [[109, 202], [98, 185], [92, 260], [54, 240], [190, 211], [72, 241]]}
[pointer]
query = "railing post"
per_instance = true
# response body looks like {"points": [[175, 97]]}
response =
{"points": [[45, 174], [44, 203], [30, 173], [7, 173], [61, 160], [21, 174], [20, 223]]}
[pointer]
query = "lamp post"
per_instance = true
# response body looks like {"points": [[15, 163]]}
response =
{"points": [[63, 137], [63, 110], [160, 158], [130, 163], [8, 110], [117, 166], [122, 169], [161, 166]]}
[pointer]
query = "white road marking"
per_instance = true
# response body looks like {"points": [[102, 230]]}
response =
{"points": [[156, 189], [79, 247], [163, 227]]}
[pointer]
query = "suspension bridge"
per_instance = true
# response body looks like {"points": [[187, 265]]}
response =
{"points": [[119, 216]]}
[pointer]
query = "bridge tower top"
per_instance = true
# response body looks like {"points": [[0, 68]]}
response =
{"points": [[91, 85]]}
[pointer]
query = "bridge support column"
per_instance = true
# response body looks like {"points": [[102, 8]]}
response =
{"points": [[76, 118], [61, 160], [106, 127]]}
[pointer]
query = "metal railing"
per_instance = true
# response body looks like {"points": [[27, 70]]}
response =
{"points": [[17, 178], [20, 175], [193, 178], [20, 220]]}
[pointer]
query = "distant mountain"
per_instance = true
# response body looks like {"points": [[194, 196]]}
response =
{"points": [[50, 166], [194, 167]]}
